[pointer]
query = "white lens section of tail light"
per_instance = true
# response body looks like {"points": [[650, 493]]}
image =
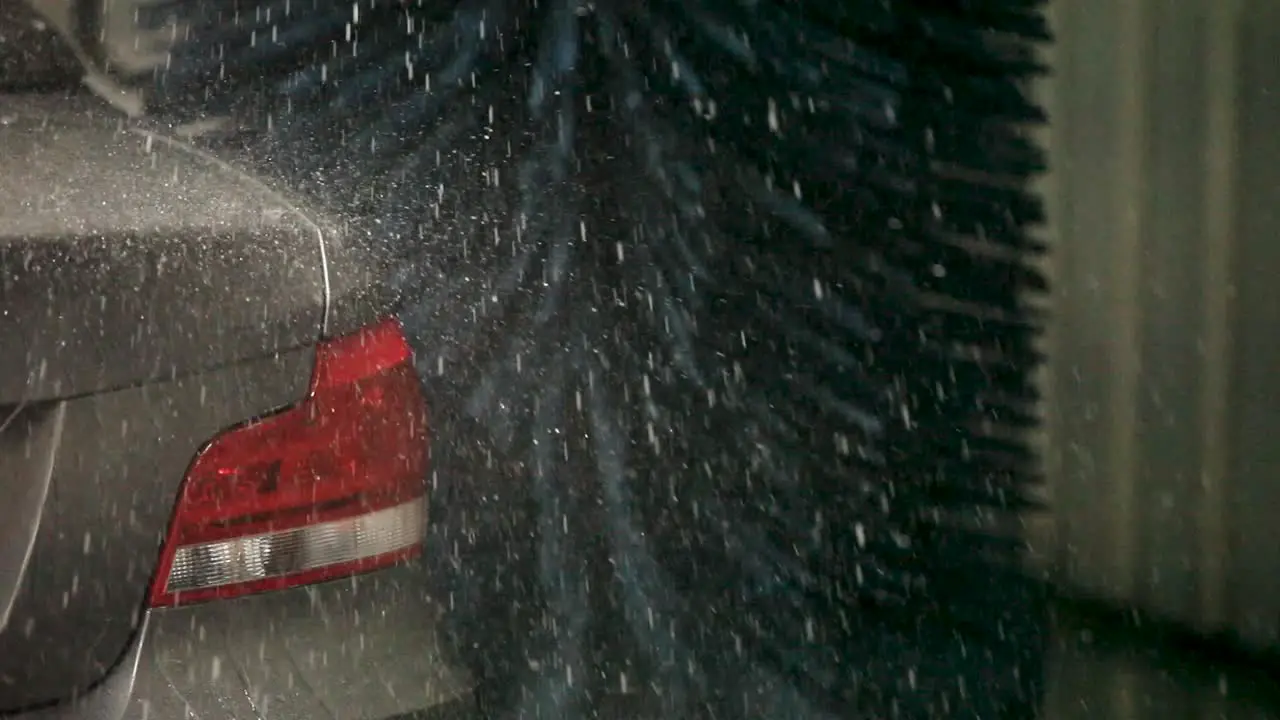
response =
{"points": [[287, 552]]}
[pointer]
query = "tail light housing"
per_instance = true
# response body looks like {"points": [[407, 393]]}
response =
{"points": [[329, 487]]}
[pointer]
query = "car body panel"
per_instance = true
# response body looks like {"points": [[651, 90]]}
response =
{"points": [[117, 467], [359, 648], [28, 437], [153, 295], [126, 258], [150, 297]]}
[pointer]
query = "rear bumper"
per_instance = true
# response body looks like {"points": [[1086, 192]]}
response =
{"points": [[359, 648]]}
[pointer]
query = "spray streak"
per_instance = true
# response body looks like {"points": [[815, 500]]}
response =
{"points": [[722, 232]]}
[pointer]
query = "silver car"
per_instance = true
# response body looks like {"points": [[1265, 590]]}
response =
{"points": [[213, 442]]}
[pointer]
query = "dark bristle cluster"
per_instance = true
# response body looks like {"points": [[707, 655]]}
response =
{"points": [[740, 285]]}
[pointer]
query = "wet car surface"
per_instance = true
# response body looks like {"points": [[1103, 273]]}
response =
{"points": [[169, 322]]}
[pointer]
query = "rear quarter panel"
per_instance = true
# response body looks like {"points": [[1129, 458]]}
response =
{"points": [[117, 471]]}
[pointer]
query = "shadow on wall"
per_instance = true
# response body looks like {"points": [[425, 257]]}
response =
{"points": [[1104, 666]]}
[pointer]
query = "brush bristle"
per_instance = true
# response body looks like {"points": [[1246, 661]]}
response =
{"points": [[742, 281]]}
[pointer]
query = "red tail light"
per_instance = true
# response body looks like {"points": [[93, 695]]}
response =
{"points": [[330, 487]]}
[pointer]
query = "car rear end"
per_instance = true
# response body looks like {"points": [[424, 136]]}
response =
{"points": [[213, 444]]}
